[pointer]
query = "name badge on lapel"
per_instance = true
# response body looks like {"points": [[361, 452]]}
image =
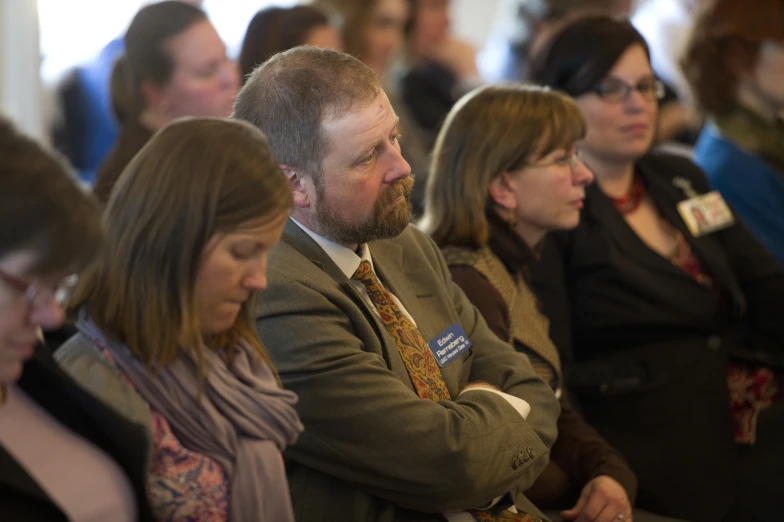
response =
{"points": [[706, 213], [449, 344]]}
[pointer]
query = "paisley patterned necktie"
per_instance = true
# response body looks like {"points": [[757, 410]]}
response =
{"points": [[420, 363]]}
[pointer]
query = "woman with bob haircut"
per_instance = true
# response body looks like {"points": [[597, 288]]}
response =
{"points": [[167, 320], [64, 455], [675, 334], [505, 173], [734, 61]]}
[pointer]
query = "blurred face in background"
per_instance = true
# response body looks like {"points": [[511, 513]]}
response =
{"points": [[431, 23], [204, 81], [384, 33], [621, 120], [20, 316], [766, 78], [324, 37]]}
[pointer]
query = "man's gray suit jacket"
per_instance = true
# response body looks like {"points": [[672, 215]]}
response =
{"points": [[372, 450]]}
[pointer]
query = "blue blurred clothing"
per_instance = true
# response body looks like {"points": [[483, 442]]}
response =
{"points": [[751, 185], [89, 129]]}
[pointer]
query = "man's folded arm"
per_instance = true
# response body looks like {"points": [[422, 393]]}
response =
{"points": [[365, 426]]}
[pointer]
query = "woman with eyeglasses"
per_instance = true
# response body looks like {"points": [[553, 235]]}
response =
{"points": [[672, 330], [505, 174], [64, 456]]}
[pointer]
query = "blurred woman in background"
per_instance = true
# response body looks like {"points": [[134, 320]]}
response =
{"points": [[167, 321], [439, 67], [178, 66], [735, 63], [64, 455], [276, 29]]}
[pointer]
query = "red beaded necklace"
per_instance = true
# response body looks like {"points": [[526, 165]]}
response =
{"points": [[631, 201]]}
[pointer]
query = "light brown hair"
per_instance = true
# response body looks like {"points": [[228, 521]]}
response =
{"points": [[355, 19], [196, 178], [42, 207], [294, 92], [724, 43], [491, 130]]}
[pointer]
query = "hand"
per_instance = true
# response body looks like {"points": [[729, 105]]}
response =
{"points": [[601, 500], [457, 56]]}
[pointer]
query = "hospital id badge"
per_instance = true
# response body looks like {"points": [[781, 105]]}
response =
{"points": [[706, 213]]}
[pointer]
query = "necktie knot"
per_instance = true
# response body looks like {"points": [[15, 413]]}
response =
{"points": [[364, 272]]}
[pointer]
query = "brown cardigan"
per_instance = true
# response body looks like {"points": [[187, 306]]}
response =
{"points": [[580, 453]]}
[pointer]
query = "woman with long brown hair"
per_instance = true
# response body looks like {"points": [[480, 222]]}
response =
{"points": [[166, 320]]}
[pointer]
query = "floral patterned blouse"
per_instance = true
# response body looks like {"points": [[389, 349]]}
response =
{"points": [[184, 486]]}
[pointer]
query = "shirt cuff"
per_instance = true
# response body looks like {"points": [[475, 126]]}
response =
{"points": [[522, 407]]}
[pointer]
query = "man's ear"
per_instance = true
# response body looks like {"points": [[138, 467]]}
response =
{"points": [[501, 192], [298, 185]]}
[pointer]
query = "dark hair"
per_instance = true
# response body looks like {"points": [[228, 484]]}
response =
{"points": [[277, 29], [195, 178], [291, 94], [724, 43], [42, 208], [578, 57], [145, 42]]}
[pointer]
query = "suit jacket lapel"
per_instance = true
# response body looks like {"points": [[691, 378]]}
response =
{"points": [[412, 284], [85, 415], [626, 239], [300, 240], [15, 477], [706, 248]]}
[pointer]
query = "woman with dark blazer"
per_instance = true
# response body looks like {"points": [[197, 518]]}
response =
{"points": [[64, 456], [672, 332]]}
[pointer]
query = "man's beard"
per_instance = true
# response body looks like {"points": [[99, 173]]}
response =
{"points": [[385, 222]]}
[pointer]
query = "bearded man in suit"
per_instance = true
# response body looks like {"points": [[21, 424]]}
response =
{"points": [[413, 409]]}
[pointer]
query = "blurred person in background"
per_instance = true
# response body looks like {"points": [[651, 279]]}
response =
{"points": [[440, 68], [178, 66], [166, 321], [735, 62], [665, 25], [87, 128], [277, 29], [674, 334], [64, 455]]}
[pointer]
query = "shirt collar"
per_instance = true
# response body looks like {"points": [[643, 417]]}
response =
{"points": [[346, 259]]}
